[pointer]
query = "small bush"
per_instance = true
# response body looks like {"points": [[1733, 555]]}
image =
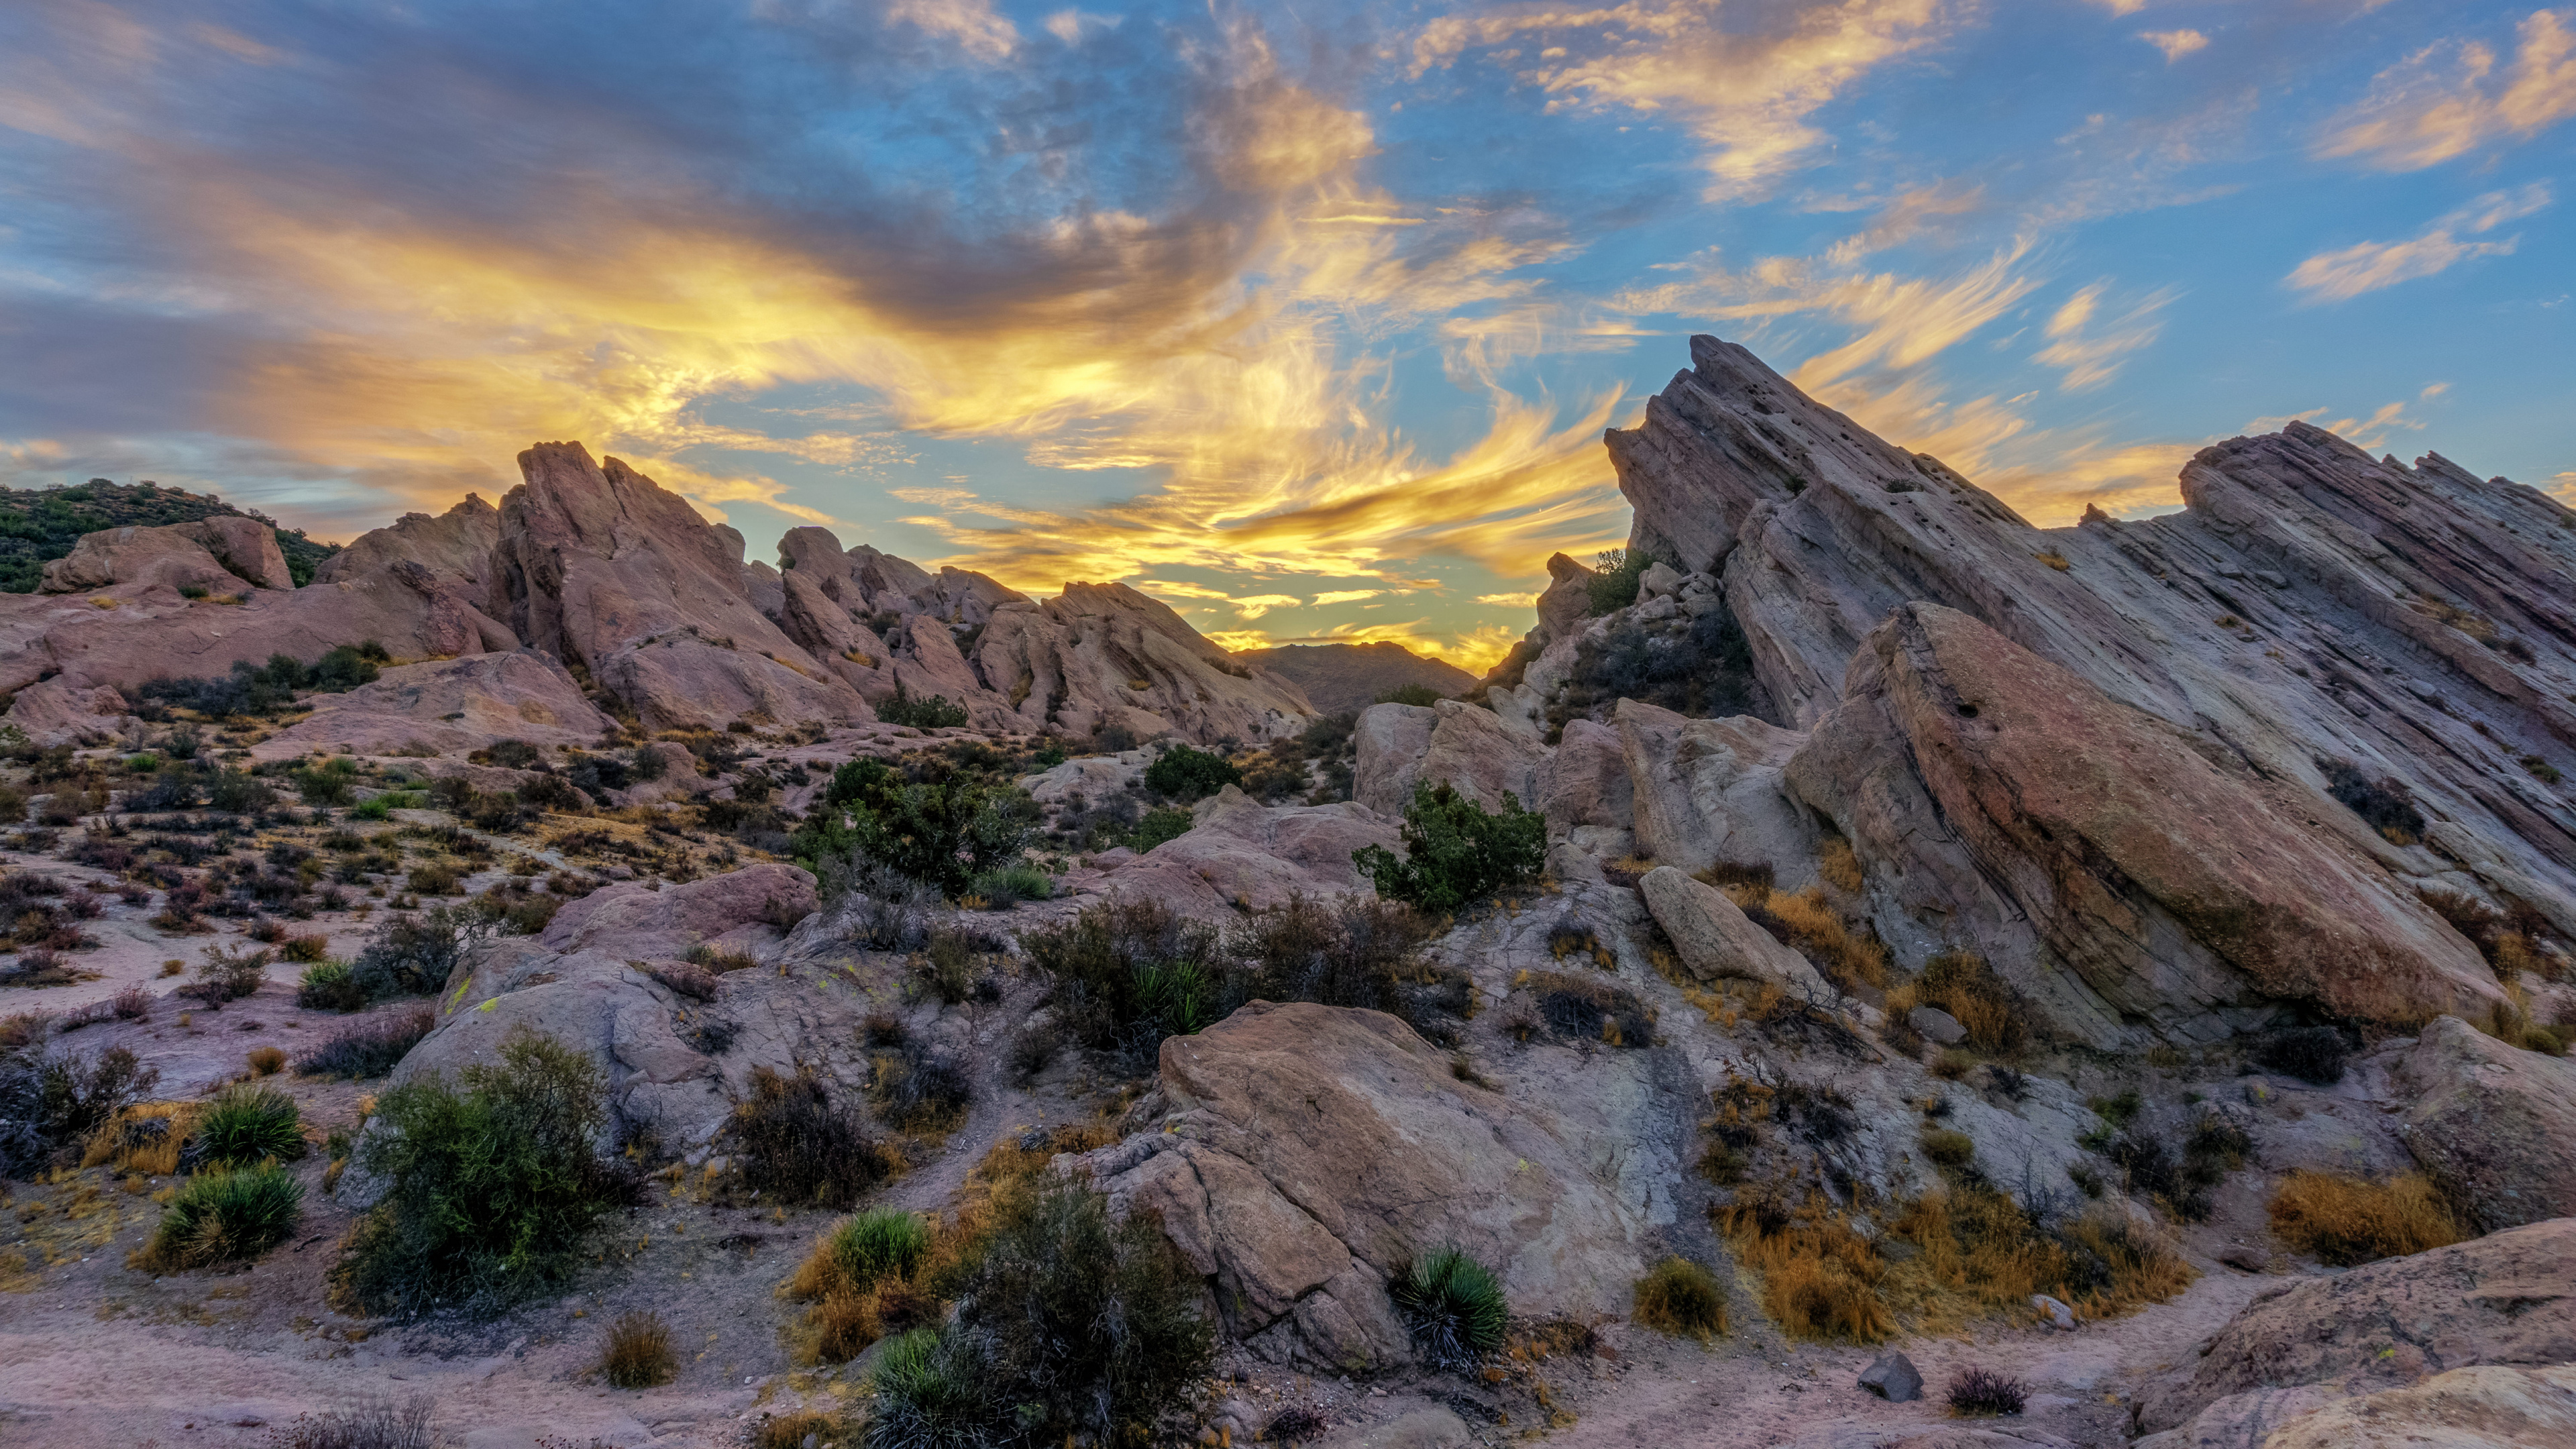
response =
{"points": [[381, 1424], [1963, 985], [227, 976], [2344, 1220], [1005, 887], [638, 1354], [879, 1244], [795, 1145], [435, 878], [132, 1004], [1456, 851], [50, 1104], [2311, 1054], [2383, 804], [265, 1061], [413, 955], [1187, 774], [246, 1125], [790, 1431], [930, 1394], [1615, 579], [1950, 1149], [372, 1047], [1453, 1307], [224, 1217], [1681, 1298], [1983, 1393], [306, 948], [1158, 826], [330, 986], [934, 713], [921, 1091]]}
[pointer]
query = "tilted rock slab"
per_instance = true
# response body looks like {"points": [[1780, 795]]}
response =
{"points": [[455, 546], [1240, 855], [1460, 745], [2493, 1125], [1718, 941], [2124, 879], [451, 706], [1309, 1151]]}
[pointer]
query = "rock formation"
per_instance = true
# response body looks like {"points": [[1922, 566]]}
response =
{"points": [[2493, 1125], [1343, 678], [455, 546], [448, 706]]}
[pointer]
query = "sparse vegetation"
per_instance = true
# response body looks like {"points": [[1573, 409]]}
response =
{"points": [[1681, 1298], [50, 1104], [1962, 984], [2311, 1054], [1983, 1393], [2383, 804], [934, 713], [1453, 1307], [638, 1353], [413, 954], [2346, 1221], [1457, 852], [372, 1047], [794, 1144], [377, 1424], [224, 1216]]}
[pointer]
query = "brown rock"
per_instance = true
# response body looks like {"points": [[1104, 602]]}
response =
{"points": [[55, 713], [2471, 1408], [451, 706], [1241, 855], [1465, 746], [456, 547], [135, 555], [2507, 1299], [1716, 940], [2494, 1126]]}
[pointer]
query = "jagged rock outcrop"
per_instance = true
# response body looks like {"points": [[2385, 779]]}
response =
{"points": [[451, 706], [1459, 744], [2309, 605], [2123, 880], [455, 546], [1711, 790], [2493, 1125], [2509, 1300], [607, 571], [1306, 1152]]}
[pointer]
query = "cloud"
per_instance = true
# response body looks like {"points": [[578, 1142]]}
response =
{"points": [[1746, 92], [2368, 266], [1509, 601], [1475, 650], [1255, 605], [1345, 596], [2448, 99], [2089, 355], [2563, 488], [2175, 43], [971, 23]]}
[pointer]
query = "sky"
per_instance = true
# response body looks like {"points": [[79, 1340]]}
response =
{"points": [[1305, 319]]}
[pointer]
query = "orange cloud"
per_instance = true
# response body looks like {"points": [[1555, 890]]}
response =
{"points": [[2449, 99], [2368, 266]]}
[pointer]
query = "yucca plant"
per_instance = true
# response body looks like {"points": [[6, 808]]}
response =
{"points": [[1452, 1305]]}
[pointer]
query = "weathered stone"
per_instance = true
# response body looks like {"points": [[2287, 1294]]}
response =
{"points": [[451, 706], [2059, 1316], [1586, 781], [455, 546], [2494, 1126], [1239, 855], [2472, 1408], [1465, 747], [137, 555], [1892, 1377], [55, 713], [1937, 1025], [1711, 790], [1716, 940]]}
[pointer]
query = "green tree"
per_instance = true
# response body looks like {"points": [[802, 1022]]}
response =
{"points": [[1456, 851], [942, 831]]}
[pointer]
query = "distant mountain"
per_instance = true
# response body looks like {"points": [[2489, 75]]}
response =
{"points": [[1344, 677], [39, 525]]}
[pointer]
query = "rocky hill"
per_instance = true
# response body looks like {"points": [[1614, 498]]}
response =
{"points": [[38, 526], [1340, 678]]}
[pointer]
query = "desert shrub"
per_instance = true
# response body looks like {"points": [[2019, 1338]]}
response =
{"points": [[943, 829], [794, 1144], [50, 1104], [1978, 1392], [1820, 1279], [1186, 774], [2311, 1054], [1008, 885], [1456, 851], [1990, 1252], [131, 1004], [638, 1352], [2345, 1220], [1809, 923], [919, 1090], [265, 1061], [2383, 804], [413, 954], [1616, 576], [246, 1125], [790, 1431], [311, 947], [1157, 826], [719, 961], [372, 1047], [1452, 1306], [1353, 951], [930, 1393], [378, 1424], [878, 1244], [886, 910], [2181, 1184], [252, 689], [224, 1216], [1681, 1298], [435, 878], [330, 986], [489, 1189], [1128, 973], [1962, 984], [1582, 1008], [1949, 1149], [934, 713], [1702, 668], [333, 782]]}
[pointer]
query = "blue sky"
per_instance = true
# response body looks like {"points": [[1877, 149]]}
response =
{"points": [[1306, 319]]}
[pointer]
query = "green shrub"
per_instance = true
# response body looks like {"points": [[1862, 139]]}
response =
{"points": [[1681, 1298], [1188, 774], [638, 1354], [330, 986], [931, 1393], [1452, 1306], [489, 1190], [880, 1243], [333, 782], [934, 713], [1421, 696], [1158, 826], [225, 1217], [246, 1125], [1007, 886], [1619, 574], [1950, 1149], [794, 1144], [944, 829], [413, 955], [1128, 973], [1457, 852]]}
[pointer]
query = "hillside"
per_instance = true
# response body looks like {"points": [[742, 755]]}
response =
{"points": [[1344, 677], [38, 526]]}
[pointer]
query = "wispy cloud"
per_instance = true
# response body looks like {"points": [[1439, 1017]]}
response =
{"points": [[2368, 266], [2175, 43], [2452, 98], [2091, 348]]}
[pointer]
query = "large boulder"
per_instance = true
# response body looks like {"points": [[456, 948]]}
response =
{"points": [[2471, 1408], [1585, 781], [1711, 790], [2508, 1299], [1465, 746], [455, 546], [643, 921], [450, 706], [2493, 1125], [2132, 885], [52, 712], [1241, 855], [1717, 941], [1307, 1152], [137, 555], [609, 572]]}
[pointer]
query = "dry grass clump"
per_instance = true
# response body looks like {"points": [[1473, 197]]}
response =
{"points": [[2346, 1220], [1681, 1298], [1982, 1393], [1819, 1278], [265, 1061], [790, 1431], [797, 1145], [1985, 1252], [144, 1138], [1962, 984], [1838, 865], [1809, 922], [638, 1354]]}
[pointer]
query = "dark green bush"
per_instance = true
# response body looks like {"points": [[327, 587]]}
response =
{"points": [[225, 1216], [333, 782], [1187, 774], [880, 1243], [412, 955], [1456, 851], [932, 1392], [1158, 826], [934, 713], [330, 986], [794, 1144], [944, 829], [1453, 1307], [247, 1125], [1421, 696], [2311, 1054], [489, 1190], [50, 1104], [1617, 577], [1007, 886]]}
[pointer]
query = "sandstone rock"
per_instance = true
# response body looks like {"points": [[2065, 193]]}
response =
{"points": [[138, 555], [667, 922], [1711, 790], [246, 547], [455, 546], [1586, 782], [1308, 1151], [1093, 777], [1433, 1428], [1241, 855], [602, 568], [2114, 873], [450, 706], [1660, 580], [54, 713], [1892, 1377], [1465, 747], [1716, 940], [2242, 1419], [1937, 1025], [1389, 741], [2470, 1408], [2506, 1299], [2059, 1316], [2494, 1126], [1567, 601]]}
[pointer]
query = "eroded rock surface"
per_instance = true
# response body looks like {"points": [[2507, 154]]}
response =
{"points": [[449, 707], [2493, 1125]]}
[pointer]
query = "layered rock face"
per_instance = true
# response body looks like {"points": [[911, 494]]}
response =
{"points": [[451, 706], [2493, 1125], [456, 547]]}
